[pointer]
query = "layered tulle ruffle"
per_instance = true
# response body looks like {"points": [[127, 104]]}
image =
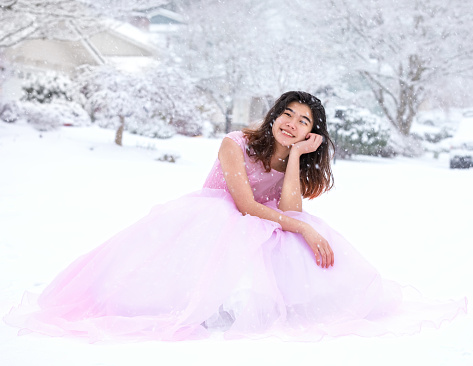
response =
{"points": [[195, 266]]}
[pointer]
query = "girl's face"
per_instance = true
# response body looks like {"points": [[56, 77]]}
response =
{"points": [[293, 125]]}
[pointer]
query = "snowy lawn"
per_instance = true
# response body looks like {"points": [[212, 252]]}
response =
{"points": [[62, 193]]}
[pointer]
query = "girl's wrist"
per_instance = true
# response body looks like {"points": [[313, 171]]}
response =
{"points": [[295, 152], [303, 228]]}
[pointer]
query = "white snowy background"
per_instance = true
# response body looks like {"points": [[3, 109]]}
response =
{"points": [[66, 191]]}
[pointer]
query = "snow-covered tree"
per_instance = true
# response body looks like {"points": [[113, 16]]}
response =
{"points": [[115, 99], [56, 19], [289, 54], [59, 19], [403, 49], [216, 47], [154, 102], [4, 71]]}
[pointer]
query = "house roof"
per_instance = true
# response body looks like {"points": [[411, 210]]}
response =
{"points": [[117, 40], [161, 16], [130, 33]]}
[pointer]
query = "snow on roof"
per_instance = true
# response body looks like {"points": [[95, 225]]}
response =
{"points": [[163, 13], [131, 64], [130, 32]]}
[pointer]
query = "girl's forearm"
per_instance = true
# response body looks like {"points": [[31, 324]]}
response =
{"points": [[287, 223], [291, 199], [233, 165]]}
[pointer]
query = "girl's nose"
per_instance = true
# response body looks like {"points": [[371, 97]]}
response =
{"points": [[290, 124]]}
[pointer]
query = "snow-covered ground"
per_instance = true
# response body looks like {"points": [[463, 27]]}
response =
{"points": [[63, 193]]}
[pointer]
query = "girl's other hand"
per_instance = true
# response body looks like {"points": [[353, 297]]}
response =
{"points": [[310, 144], [323, 252]]}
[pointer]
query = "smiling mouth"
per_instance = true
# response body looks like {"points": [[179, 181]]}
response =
{"points": [[287, 133]]}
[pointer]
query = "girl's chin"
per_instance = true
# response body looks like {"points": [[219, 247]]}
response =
{"points": [[287, 141], [285, 144]]}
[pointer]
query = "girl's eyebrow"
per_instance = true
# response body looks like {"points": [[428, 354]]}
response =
{"points": [[307, 118]]}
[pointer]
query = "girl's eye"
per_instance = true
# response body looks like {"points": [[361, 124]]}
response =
{"points": [[304, 122], [287, 114]]}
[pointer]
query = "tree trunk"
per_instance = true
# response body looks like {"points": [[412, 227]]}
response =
{"points": [[119, 134], [405, 104]]}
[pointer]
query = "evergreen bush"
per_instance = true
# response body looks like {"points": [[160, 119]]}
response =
{"points": [[47, 87], [356, 131]]}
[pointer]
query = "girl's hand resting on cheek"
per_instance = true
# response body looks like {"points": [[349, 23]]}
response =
{"points": [[323, 253], [310, 144]]}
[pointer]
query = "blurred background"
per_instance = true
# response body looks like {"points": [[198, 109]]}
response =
{"points": [[395, 76]]}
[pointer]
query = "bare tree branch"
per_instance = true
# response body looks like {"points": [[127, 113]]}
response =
{"points": [[404, 49], [34, 19]]}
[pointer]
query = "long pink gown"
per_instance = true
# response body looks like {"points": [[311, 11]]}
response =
{"points": [[197, 266]]}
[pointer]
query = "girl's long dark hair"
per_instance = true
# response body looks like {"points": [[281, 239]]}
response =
{"points": [[315, 171]]}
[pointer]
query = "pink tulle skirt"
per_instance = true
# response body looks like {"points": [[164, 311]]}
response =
{"points": [[196, 266]]}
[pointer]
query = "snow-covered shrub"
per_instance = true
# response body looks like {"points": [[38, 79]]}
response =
{"points": [[433, 126], [356, 131], [170, 158], [9, 111], [49, 116], [47, 87], [430, 133], [72, 113]]}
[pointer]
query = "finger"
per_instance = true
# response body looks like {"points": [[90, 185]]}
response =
{"points": [[317, 257], [329, 256], [314, 138], [327, 259], [313, 143], [323, 256]]}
